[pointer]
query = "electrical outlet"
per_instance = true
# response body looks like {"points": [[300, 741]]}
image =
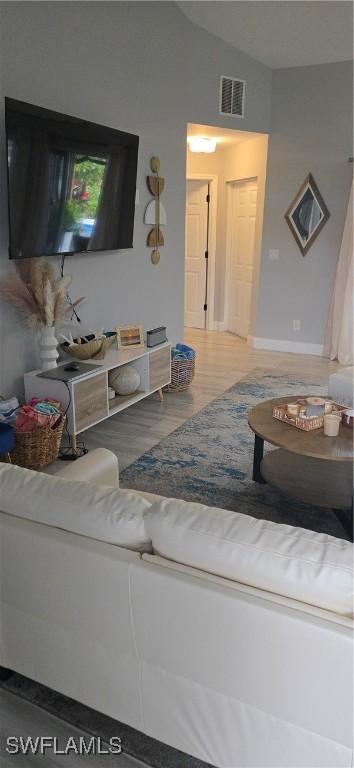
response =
{"points": [[273, 254], [296, 325]]}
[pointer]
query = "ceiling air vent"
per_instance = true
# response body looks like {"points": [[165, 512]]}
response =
{"points": [[232, 96]]}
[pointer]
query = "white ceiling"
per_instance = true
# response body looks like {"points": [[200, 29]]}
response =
{"points": [[224, 137], [280, 33]]}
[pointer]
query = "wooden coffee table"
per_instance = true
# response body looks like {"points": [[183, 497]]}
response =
{"points": [[308, 466]]}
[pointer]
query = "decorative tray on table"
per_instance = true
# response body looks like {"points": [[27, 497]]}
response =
{"points": [[306, 420]]}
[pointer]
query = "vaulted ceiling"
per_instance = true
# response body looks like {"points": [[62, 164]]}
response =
{"points": [[280, 33]]}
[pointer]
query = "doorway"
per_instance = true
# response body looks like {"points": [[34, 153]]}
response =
{"points": [[230, 166], [200, 251], [240, 250]]}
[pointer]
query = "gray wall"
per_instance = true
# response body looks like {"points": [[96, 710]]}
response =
{"points": [[311, 130], [140, 67]]}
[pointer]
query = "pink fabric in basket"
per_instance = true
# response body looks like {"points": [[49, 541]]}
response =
{"points": [[27, 419]]}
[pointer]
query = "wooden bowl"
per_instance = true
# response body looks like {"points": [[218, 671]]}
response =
{"points": [[85, 351], [95, 348]]}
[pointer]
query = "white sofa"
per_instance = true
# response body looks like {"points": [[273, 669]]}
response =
{"points": [[226, 637]]}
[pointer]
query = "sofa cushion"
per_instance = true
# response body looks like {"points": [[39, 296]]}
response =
{"points": [[151, 497], [301, 564], [94, 511]]}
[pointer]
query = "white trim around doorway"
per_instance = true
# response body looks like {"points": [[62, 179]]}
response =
{"points": [[229, 184], [212, 179]]}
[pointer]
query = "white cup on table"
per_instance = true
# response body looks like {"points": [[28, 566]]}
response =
{"points": [[331, 424]]}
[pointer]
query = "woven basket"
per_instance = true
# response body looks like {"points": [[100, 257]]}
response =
{"points": [[95, 348], [182, 375], [37, 449]]}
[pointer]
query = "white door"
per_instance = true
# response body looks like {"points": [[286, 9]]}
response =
{"points": [[241, 239], [196, 247]]}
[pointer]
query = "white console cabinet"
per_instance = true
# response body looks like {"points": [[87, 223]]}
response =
{"points": [[85, 398]]}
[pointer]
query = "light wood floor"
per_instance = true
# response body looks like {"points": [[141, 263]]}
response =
{"points": [[20, 718], [222, 360]]}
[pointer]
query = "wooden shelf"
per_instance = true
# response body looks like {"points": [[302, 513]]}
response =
{"points": [[86, 398], [115, 358], [122, 401]]}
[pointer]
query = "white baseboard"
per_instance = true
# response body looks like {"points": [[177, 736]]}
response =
{"points": [[283, 345], [218, 325]]}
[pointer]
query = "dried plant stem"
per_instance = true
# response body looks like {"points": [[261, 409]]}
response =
{"points": [[36, 292]]}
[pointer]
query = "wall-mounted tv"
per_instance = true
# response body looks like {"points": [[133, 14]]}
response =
{"points": [[71, 183]]}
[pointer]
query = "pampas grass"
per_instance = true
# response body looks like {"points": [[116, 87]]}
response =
{"points": [[38, 294]]}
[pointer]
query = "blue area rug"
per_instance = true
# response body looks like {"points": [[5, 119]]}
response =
{"points": [[209, 458]]}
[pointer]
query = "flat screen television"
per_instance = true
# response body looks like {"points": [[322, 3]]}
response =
{"points": [[71, 183]]}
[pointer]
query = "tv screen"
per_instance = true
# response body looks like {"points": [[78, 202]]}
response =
{"points": [[71, 183]]}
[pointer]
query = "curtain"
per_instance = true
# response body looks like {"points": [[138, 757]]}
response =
{"points": [[105, 233], [339, 338], [29, 192]]}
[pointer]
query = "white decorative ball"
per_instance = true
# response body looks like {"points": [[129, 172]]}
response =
{"points": [[125, 380]]}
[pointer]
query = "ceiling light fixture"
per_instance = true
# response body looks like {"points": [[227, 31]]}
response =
{"points": [[198, 144]]}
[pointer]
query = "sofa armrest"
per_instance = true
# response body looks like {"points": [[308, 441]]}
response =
{"points": [[99, 467]]}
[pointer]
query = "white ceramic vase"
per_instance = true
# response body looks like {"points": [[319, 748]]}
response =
{"points": [[48, 348]]}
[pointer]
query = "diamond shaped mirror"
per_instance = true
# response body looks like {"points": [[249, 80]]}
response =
{"points": [[307, 214]]}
